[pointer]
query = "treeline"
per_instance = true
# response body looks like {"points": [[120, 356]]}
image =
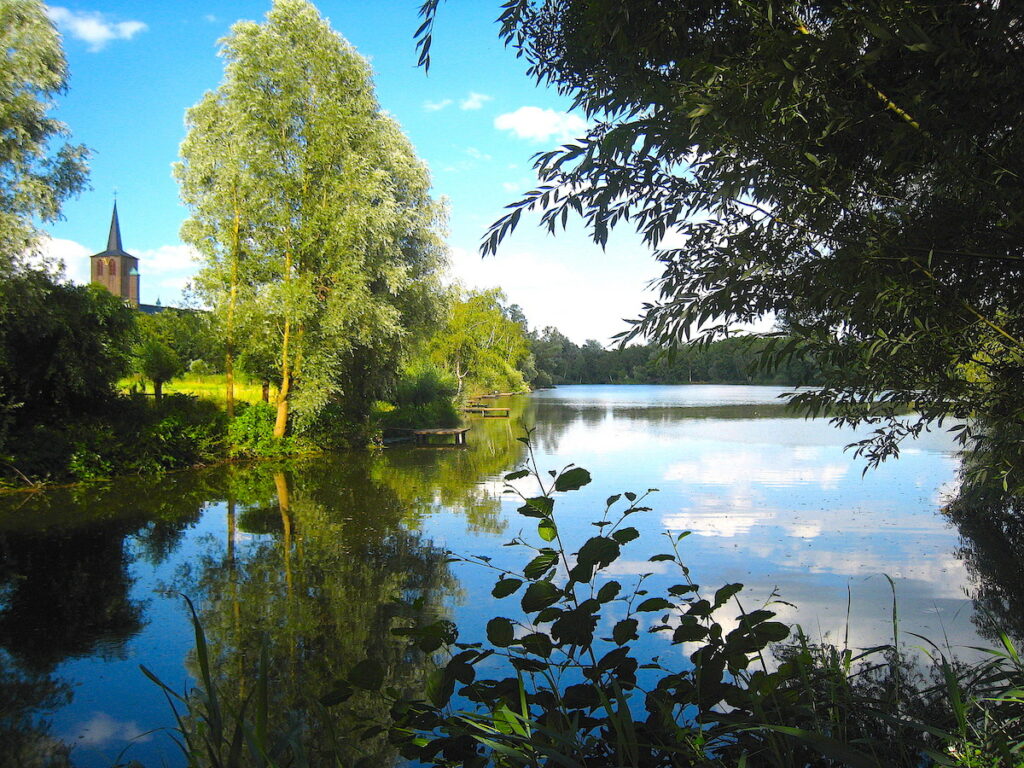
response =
{"points": [[558, 360]]}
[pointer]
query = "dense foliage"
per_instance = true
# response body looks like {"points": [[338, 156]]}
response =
{"points": [[34, 177], [62, 350], [558, 360], [481, 345], [853, 168], [312, 214]]}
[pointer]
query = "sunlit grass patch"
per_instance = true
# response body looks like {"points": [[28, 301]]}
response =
{"points": [[211, 387]]}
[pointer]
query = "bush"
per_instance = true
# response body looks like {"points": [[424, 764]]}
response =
{"points": [[251, 432], [424, 397], [127, 435]]}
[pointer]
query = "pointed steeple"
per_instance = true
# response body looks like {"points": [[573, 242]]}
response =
{"points": [[114, 238]]}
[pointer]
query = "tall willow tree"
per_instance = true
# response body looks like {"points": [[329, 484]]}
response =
{"points": [[311, 210]]}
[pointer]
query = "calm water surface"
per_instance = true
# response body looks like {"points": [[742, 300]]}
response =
{"points": [[305, 557]]}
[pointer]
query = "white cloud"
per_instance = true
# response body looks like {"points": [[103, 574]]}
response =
{"points": [[102, 729], [73, 257], [539, 124], [93, 28], [210, 18], [476, 154], [474, 100], [436, 106]]}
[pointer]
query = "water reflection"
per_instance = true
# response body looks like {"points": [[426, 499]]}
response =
{"points": [[305, 556]]}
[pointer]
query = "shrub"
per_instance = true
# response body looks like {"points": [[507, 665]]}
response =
{"points": [[251, 432], [424, 397]]}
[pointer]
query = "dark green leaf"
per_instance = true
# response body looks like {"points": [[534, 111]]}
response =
{"points": [[505, 587], [572, 479], [723, 595], [339, 692], [608, 591], [368, 674], [517, 475], [500, 632], [599, 551], [538, 506], [655, 604], [537, 643], [540, 564], [626, 535], [539, 595], [624, 631]]}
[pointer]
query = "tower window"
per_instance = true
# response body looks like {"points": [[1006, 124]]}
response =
{"points": [[99, 267], [113, 267]]}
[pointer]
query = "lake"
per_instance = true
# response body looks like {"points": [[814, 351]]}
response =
{"points": [[304, 557]]}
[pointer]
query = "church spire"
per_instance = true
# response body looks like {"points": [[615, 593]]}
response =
{"points": [[114, 238]]}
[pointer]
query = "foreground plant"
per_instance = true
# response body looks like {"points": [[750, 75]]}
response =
{"points": [[563, 681], [573, 689]]}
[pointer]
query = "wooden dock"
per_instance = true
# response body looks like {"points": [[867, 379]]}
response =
{"points": [[422, 436], [486, 411]]}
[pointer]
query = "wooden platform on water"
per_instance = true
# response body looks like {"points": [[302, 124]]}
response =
{"points": [[484, 410], [422, 436]]}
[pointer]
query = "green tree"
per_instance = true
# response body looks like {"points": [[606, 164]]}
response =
{"points": [[62, 348], [853, 168], [33, 180], [321, 220], [158, 362], [481, 346]]}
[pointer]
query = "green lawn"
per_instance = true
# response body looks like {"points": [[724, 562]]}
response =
{"points": [[208, 388]]}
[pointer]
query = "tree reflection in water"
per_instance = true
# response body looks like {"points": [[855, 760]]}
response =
{"points": [[65, 592], [991, 527], [316, 551]]}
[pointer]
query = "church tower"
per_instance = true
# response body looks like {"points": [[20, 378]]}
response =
{"points": [[116, 269]]}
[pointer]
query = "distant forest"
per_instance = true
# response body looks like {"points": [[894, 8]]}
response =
{"points": [[558, 360]]}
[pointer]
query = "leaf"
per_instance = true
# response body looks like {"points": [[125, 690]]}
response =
{"points": [[726, 593], [339, 692], [572, 479], [689, 630], [661, 558], [575, 627], [505, 587], [624, 631], [540, 564], [368, 674], [547, 530], [626, 535], [538, 506], [539, 595], [655, 604], [681, 589], [537, 643], [600, 551], [500, 632], [772, 631], [518, 475], [608, 591]]}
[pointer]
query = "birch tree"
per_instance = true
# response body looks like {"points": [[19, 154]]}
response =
{"points": [[310, 206]]}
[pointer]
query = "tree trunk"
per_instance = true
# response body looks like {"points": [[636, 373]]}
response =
{"points": [[229, 371], [266, 391], [229, 358], [158, 390], [281, 424]]}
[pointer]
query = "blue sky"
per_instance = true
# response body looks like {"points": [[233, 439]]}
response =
{"points": [[476, 119]]}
